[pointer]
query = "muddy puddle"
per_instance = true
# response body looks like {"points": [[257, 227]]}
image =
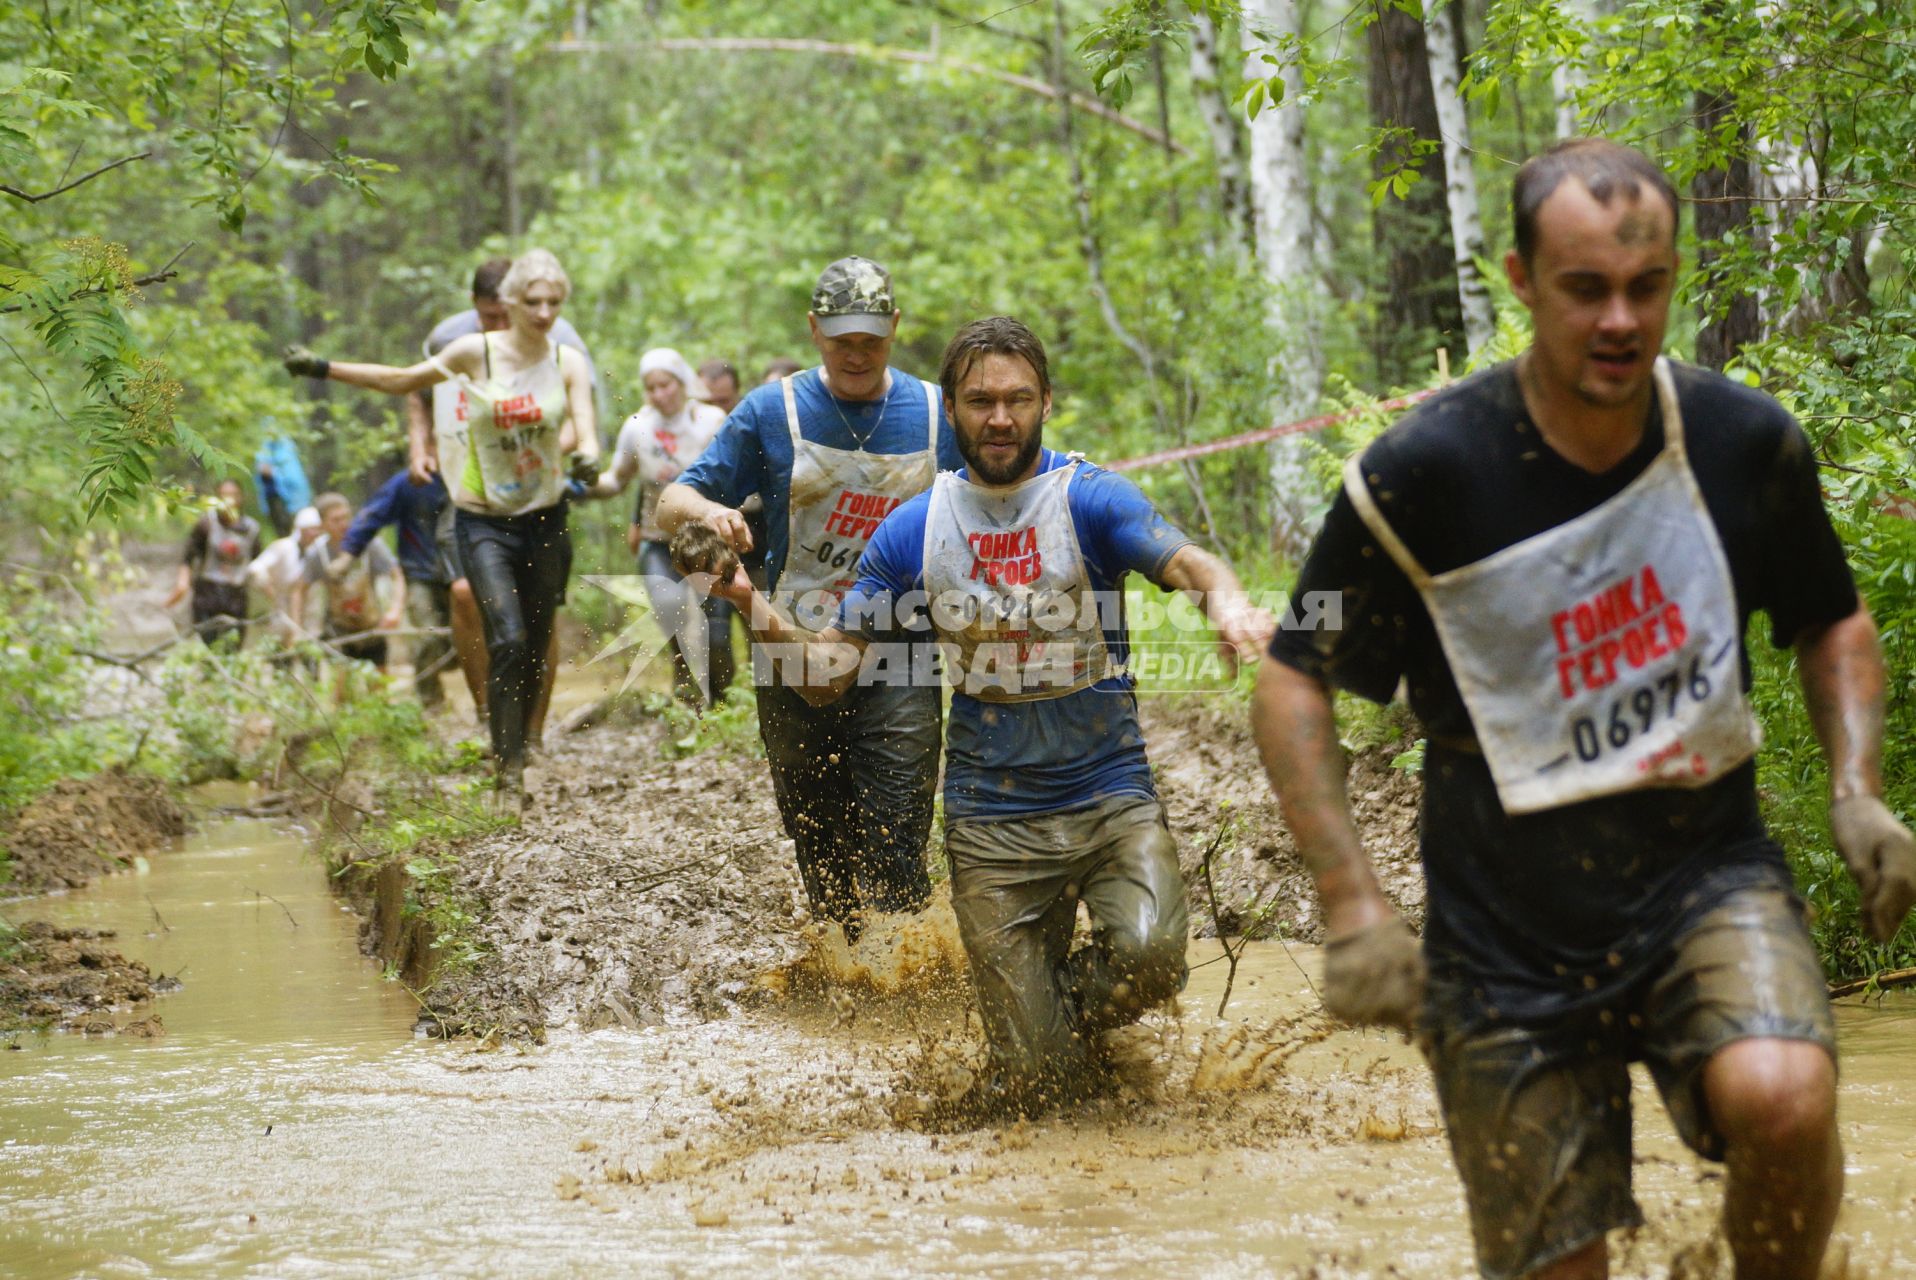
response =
{"points": [[288, 1125]]}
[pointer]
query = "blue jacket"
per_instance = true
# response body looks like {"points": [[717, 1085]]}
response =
{"points": [[414, 510], [289, 476]]}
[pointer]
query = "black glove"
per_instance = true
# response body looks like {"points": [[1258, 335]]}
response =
{"points": [[302, 363], [584, 468]]}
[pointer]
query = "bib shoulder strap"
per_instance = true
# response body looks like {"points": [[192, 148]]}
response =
{"points": [[791, 411], [1665, 380], [1359, 490], [932, 397]]}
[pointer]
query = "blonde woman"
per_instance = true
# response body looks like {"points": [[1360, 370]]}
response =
{"points": [[529, 405], [656, 443]]}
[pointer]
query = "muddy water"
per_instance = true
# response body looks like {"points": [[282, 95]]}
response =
{"points": [[288, 1125]]}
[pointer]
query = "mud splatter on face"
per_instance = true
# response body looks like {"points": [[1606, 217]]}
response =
{"points": [[1639, 226]]}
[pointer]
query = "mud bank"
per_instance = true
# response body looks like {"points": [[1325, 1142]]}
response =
{"points": [[639, 886], [82, 828], [70, 979], [85, 827]]}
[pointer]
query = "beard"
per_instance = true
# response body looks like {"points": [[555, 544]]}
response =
{"points": [[987, 473]]}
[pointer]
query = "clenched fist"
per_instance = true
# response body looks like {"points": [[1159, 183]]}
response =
{"points": [[1881, 854], [1375, 976]]}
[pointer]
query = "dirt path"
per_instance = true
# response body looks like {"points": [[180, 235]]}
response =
{"points": [[640, 886]]}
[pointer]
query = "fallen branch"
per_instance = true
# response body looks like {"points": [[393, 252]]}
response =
{"points": [[1217, 918], [258, 894], [1875, 982]]}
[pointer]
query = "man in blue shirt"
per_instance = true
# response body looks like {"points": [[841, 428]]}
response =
{"points": [[414, 511], [1016, 563], [831, 451]]}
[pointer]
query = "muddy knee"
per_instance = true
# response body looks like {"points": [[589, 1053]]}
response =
{"points": [[1145, 970]]}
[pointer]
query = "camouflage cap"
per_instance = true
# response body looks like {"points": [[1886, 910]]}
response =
{"points": [[854, 296]]}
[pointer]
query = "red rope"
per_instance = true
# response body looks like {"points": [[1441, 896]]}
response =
{"points": [[1259, 436]]}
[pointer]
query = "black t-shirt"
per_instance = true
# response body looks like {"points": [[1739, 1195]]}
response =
{"points": [[1546, 912]]}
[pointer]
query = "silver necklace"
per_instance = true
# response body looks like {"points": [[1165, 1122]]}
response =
{"points": [[850, 430]]}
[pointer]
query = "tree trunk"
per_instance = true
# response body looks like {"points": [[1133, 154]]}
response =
{"points": [[1418, 309], [1227, 147], [1567, 78], [1722, 203], [1281, 208], [1460, 186]]}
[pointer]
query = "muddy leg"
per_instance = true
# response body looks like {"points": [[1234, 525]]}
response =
{"points": [[1015, 917], [469, 638], [1774, 1102], [891, 751], [1139, 922], [814, 795]]}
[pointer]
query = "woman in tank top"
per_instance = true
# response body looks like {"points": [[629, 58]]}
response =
{"points": [[529, 420]]}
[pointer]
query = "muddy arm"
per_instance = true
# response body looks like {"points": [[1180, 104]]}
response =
{"points": [[1244, 628], [827, 661], [1841, 667], [681, 504]]}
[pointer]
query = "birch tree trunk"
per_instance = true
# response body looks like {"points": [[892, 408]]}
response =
{"points": [[1460, 179], [1227, 148], [1567, 78], [1281, 208]]}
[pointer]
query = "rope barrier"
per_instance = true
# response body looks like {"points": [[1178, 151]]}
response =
{"points": [[1247, 438]]}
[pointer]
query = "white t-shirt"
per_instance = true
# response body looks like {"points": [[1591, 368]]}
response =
{"points": [[278, 567], [663, 447]]}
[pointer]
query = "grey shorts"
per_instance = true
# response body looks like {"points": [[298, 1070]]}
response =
{"points": [[1539, 1118]]}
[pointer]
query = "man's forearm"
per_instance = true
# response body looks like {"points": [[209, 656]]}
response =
{"points": [[680, 505], [1296, 731], [1844, 684], [829, 659]]}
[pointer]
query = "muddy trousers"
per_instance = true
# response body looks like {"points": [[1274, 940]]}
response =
{"points": [[854, 783], [517, 566], [1016, 884]]}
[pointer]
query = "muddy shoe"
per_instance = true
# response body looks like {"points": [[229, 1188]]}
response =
{"points": [[509, 791]]}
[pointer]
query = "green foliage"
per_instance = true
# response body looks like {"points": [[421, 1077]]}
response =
{"points": [[46, 730], [200, 107], [731, 728]]}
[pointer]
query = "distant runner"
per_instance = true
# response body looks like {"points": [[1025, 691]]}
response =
{"points": [[277, 570], [1560, 556], [350, 585], [655, 445], [1018, 562], [282, 484], [213, 569], [721, 384], [530, 418], [832, 451], [413, 510]]}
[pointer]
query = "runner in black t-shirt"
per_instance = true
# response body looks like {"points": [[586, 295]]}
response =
{"points": [[1559, 557]]}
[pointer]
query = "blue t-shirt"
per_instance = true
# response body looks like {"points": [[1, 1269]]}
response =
{"points": [[414, 510], [752, 452], [1051, 755]]}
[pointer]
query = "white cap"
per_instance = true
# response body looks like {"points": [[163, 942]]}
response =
{"points": [[308, 518]]}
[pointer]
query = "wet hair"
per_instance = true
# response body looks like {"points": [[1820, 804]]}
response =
{"points": [[485, 280], [326, 503], [994, 335], [716, 368], [1602, 166], [782, 367], [534, 266]]}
